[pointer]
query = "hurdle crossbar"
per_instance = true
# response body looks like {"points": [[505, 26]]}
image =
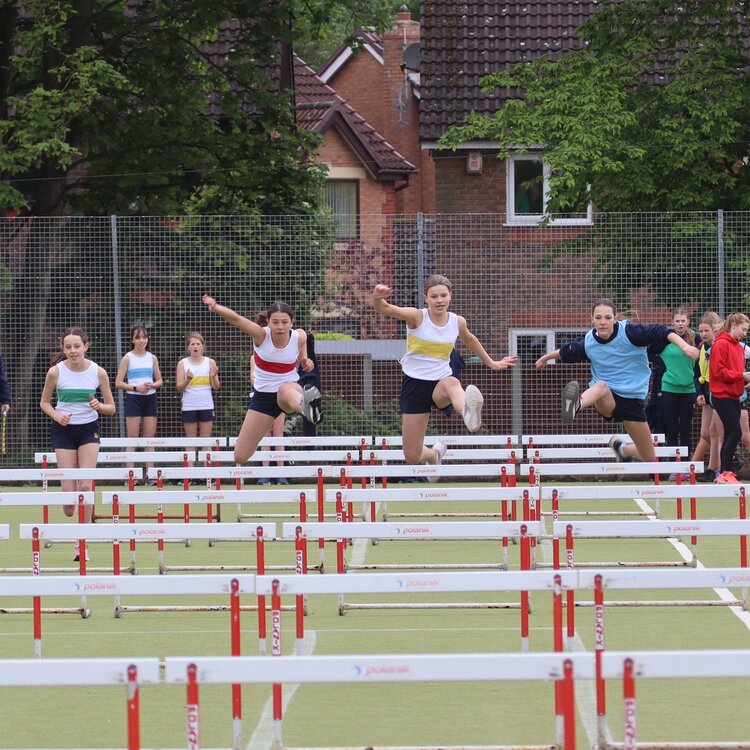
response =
{"points": [[610, 468], [305, 456], [277, 670], [121, 457], [313, 441], [501, 441], [583, 439], [163, 442], [590, 452]]}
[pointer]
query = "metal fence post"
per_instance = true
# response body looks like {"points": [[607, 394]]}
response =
{"points": [[720, 260], [118, 318]]}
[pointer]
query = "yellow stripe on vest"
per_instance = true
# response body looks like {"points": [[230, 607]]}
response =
{"points": [[200, 380], [436, 349]]}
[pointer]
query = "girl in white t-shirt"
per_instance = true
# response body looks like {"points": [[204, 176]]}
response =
{"points": [[277, 350]]}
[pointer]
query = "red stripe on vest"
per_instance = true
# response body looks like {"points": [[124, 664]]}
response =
{"points": [[277, 367]]}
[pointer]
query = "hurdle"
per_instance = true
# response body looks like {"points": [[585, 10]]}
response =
{"points": [[654, 529], [160, 498], [47, 475], [131, 673], [678, 492], [627, 666], [116, 533], [532, 441], [499, 441], [716, 578], [366, 669], [313, 441], [146, 585]]}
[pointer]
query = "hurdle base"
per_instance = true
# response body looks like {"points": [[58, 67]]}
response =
{"points": [[431, 605], [664, 603], [426, 566], [84, 612], [124, 608], [621, 564]]}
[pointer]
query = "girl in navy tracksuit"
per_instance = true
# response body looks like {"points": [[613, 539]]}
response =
{"points": [[727, 379]]}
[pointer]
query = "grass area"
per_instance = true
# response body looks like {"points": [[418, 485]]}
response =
{"points": [[382, 714]]}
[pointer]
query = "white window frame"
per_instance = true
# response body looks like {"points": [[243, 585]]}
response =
{"points": [[535, 219]]}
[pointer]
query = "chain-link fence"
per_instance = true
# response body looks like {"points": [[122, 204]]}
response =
{"points": [[522, 289]]}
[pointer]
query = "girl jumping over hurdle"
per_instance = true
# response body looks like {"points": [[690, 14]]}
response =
{"points": [[139, 376], [75, 381], [277, 349], [620, 374], [428, 381]]}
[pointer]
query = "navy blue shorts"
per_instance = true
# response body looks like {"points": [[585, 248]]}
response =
{"points": [[140, 406], [416, 395], [265, 403], [628, 410], [73, 436], [198, 415]]}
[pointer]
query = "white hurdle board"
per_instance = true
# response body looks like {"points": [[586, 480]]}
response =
{"points": [[121, 457], [584, 439], [383, 668], [414, 530], [315, 456], [146, 532], [4, 531], [202, 497], [163, 442], [501, 441], [50, 672], [335, 441], [643, 491], [490, 494], [651, 529], [241, 472], [610, 469], [451, 454], [53, 475], [679, 664], [45, 498], [423, 470], [604, 451]]}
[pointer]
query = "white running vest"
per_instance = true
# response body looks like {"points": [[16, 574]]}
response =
{"points": [[274, 366], [429, 347], [198, 394], [74, 389], [140, 370]]}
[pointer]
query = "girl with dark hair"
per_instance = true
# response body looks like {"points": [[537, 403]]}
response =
{"points": [[139, 376], [277, 350], [75, 381], [620, 374]]}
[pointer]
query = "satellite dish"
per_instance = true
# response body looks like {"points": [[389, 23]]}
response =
{"points": [[411, 56]]}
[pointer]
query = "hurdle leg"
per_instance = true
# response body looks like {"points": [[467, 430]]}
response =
{"points": [[193, 708], [558, 647], [234, 602], [276, 651], [525, 565], [299, 569], [569, 709], [37, 600], [628, 691], [601, 709], [261, 569], [134, 726], [321, 518]]}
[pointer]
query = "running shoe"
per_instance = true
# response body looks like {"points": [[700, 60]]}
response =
{"points": [[439, 448], [571, 401], [473, 408], [618, 447], [312, 404], [282, 480], [727, 477], [708, 475], [77, 555], [264, 481]]}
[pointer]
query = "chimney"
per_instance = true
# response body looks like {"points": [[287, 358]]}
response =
{"points": [[404, 14]]}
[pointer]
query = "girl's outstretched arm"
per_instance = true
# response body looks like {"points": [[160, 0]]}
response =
{"points": [[410, 315], [468, 338], [541, 363], [250, 327]]}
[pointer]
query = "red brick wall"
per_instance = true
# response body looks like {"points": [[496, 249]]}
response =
{"points": [[458, 192]]}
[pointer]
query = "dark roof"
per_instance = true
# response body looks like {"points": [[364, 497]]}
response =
{"points": [[464, 41], [366, 38], [319, 108]]}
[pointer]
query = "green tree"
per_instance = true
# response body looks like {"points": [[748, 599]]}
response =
{"points": [[652, 113]]}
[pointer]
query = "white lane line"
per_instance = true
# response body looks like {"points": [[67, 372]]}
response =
{"points": [[263, 738], [585, 690], [724, 594]]}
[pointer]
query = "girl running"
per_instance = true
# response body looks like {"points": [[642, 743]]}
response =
{"points": [[620, 374], [139, 376], [428, 381], [75, 380], [727, 381], [197, 377], [277, 349]]}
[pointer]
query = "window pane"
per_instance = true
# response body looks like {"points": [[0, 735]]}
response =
{"points": [[527, 186], [341, 198]]}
